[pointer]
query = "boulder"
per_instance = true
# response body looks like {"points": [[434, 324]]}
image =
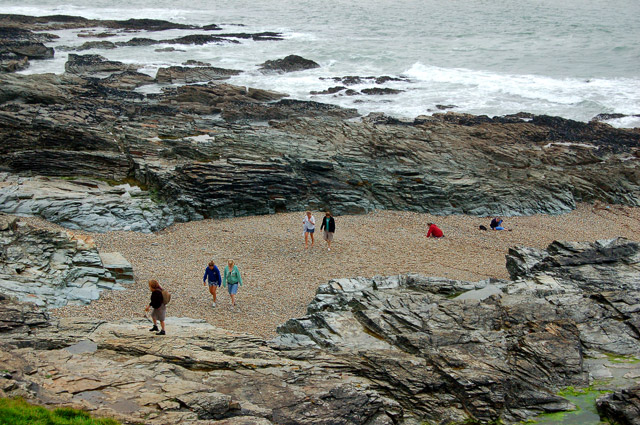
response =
{"points": [[290, 63]]}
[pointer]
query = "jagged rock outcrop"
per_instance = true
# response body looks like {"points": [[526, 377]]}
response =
{"points": [[181, 74], [390, 350], [623, 406], [92, 64], [50, 268], [290, 63], [309, 155], [90, 205], [18, 45], [499, 350]]}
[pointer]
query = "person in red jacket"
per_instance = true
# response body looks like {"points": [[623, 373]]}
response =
{"points": [[434, 231]]}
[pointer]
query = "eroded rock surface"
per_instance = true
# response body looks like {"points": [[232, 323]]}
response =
{"points": [[219, 150], [389, 350], [51, 268]]}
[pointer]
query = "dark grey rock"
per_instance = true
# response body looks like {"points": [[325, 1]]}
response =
{"points": [[290, 63], [622, 407]]}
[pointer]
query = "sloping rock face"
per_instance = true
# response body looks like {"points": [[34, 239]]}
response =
{"points": [[207, 151], [622, 406], [49, 268], [396, 350], [89, 205], [499, 351]]}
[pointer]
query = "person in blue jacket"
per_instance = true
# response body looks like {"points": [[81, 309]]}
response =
{"points": [[212, 274]]}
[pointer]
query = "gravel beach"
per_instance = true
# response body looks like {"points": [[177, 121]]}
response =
{"points": [[280, 276]]}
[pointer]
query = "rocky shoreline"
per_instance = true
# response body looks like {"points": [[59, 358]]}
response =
{"points": [[89, 150], [202, 149]]}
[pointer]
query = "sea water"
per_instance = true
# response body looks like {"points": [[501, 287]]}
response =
{"points": [[571, 58]]}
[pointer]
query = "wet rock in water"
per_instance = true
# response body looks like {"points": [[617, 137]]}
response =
{"points": [[622, 406], [330, 90], [377, 91], [137, 42], [51, 268], [188, 75], [13, 63], [261, 36], [192, 62], [351, 80], [91, 64], [93, 45], [443, 107], [290, 63], [199, 39]]}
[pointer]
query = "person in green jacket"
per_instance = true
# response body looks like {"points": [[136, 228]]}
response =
{"points": [[233, 279]]}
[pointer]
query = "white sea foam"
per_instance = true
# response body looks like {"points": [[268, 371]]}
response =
{"points": [[483, 59]]}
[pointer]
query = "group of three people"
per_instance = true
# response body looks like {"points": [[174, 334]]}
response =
{"points": [[231, 279]]}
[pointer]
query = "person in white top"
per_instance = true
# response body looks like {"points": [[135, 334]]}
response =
{"points": [[309, 226]]}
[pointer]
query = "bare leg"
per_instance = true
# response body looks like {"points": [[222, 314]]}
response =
{"points": [[212, 291], [233, 299], [329, 243], [306, 240], [162, 325], [311, 239]]}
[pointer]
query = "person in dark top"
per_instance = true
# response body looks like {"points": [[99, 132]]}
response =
{"points": [[159, 307], [329, 227], [496, 224], [212, 274], [434, 231]]}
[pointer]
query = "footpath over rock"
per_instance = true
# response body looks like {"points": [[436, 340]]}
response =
{"points": [[388, 350]]}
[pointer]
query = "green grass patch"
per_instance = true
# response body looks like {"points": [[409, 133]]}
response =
{"points": [[585, 414], [615, 358], [19, 412]]}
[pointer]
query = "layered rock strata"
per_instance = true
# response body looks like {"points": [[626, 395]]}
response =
{"points": [[389, 350], [51, 268], [205, 151]]}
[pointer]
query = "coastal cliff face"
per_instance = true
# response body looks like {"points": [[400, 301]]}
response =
{"points": [[389, 350], [194, 166]]}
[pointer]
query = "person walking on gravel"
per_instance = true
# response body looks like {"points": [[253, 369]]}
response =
{"points": [[309, 226], [212, 274], [329, 227], [232, 279], [159, 307]]}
